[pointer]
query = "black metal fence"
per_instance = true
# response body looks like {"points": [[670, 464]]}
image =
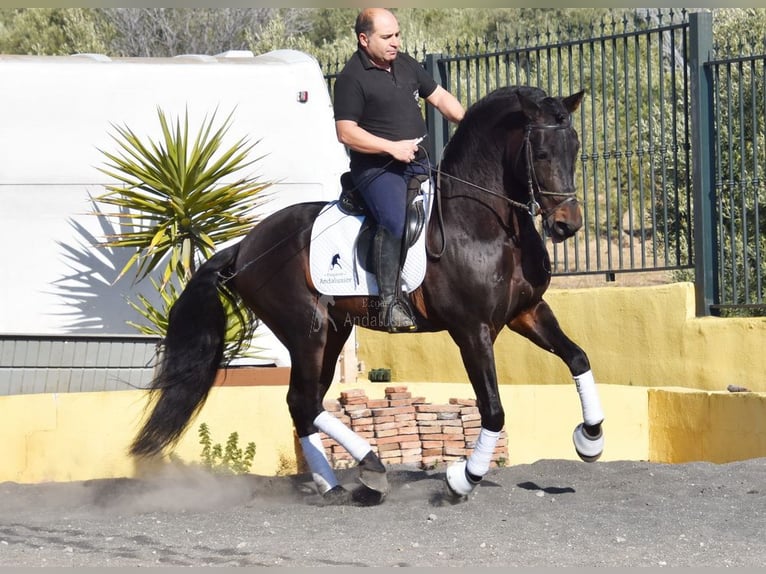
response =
{"points": [[672, 155]]}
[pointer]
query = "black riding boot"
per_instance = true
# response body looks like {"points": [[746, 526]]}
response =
{"points": [[395, 312]]}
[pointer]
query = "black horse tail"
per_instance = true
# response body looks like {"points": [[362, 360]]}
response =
{"points": [[193, 352]]}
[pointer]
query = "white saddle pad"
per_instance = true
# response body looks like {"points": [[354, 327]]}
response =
{"points": [[335, 267]]}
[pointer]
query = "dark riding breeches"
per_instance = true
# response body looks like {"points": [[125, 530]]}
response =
{"points": [[384, 190]]}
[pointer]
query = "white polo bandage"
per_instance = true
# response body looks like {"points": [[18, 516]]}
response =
{"points": [[591, 405], [340, 433]]}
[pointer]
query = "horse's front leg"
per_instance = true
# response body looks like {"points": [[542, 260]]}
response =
{"points": [[540, 326], [479, 360]]}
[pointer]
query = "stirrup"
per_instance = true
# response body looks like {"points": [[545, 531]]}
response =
{"points": [[406, 324]]}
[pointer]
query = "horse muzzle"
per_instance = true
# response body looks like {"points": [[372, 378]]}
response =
{"points": [[563, 221]]}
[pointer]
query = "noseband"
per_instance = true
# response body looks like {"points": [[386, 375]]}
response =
{"points": [[533, 185]]}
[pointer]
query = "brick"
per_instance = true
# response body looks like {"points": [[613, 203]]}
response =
{"points": [[398, 395], [455, 451], [356, 406], [386, 426], [438, 436], [357, 428], [362, 421], [428, 408], [392, 411], [450, 416], [400, 402], [470, 417], [352, 393], [377, 403], [386, 433], [432, 452], [390, 439], [454, 443], [358, 413], [425, 416], [388, 446], [395, 389], [414, 459], [412, 452], [432, 443], [472, 424], [434, 423], [469, 411], [354, 402], [405, 444], [452, 430], [405, 417], [464, 402], [331, 405], [385, 419], [418, 400], [395, 453]]}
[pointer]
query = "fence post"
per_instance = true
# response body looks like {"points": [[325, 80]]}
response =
{"points": [[705, 270], [438, 126]]}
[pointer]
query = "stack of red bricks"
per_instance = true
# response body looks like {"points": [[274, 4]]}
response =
{"points": [[403, 429]]}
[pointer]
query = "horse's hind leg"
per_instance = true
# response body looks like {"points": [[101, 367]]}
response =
{"points": [[314, 357], [540, 326]]}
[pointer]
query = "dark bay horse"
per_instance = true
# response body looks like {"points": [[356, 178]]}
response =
{"points": [[511, 159]]}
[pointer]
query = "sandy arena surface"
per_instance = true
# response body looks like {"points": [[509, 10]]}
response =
{"points": [[550, 513]]}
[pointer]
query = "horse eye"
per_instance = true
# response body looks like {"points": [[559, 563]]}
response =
{"points": [[541, 155]]}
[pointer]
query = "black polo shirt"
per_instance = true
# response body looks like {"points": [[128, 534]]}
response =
{"points": [[386, 104]]}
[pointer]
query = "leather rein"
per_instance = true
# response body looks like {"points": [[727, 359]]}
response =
{"points": [[533, 185]]}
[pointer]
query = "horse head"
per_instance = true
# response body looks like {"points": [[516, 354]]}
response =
{"points": [[547, 159]]}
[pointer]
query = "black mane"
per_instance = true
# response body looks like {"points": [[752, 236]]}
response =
{"points": [[484, 128]]}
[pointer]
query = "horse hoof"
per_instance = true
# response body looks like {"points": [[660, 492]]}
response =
{"points": [[588, 447], [372, 473], [458, 483], [337, 495]]}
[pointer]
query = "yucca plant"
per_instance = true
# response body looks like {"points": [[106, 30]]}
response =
{"points": [[177, 198]]}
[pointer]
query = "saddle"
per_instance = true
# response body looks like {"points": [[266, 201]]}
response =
{"points": [[351, 202]]}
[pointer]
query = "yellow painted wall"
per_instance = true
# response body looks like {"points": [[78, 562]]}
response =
{"points": [[81, 436], [636, 339], [645, 336], [717, 427]]}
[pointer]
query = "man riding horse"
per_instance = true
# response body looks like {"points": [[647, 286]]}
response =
{"points": [[378, 117]]}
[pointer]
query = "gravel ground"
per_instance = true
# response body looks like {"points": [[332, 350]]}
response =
{"points": [[550, 513]]}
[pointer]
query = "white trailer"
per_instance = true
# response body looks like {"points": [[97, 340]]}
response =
{"points": [[56, 112]]}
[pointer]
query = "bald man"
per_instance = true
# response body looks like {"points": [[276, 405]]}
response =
{"points": [[378, 118]]}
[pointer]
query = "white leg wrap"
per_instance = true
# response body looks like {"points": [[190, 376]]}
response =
{"points": [[478, 462], [457, 479], [339, 432], [321, 471], [591, 405]]}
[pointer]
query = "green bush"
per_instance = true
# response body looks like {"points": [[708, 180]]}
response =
{"points": [[229, 459]]}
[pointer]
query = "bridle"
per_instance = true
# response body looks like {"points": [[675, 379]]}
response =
{"points": [[532, 207], [533, 184]]}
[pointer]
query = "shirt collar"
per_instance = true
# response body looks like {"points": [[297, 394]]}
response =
{"points": [[367, 63]]}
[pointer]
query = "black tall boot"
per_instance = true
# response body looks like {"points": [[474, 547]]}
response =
{"points": [[395, 312]]}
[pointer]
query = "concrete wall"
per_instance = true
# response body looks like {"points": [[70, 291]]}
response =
{"points": [[646, 336]]}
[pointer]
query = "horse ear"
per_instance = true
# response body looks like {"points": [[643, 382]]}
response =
{"points": [[571, 103]]}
